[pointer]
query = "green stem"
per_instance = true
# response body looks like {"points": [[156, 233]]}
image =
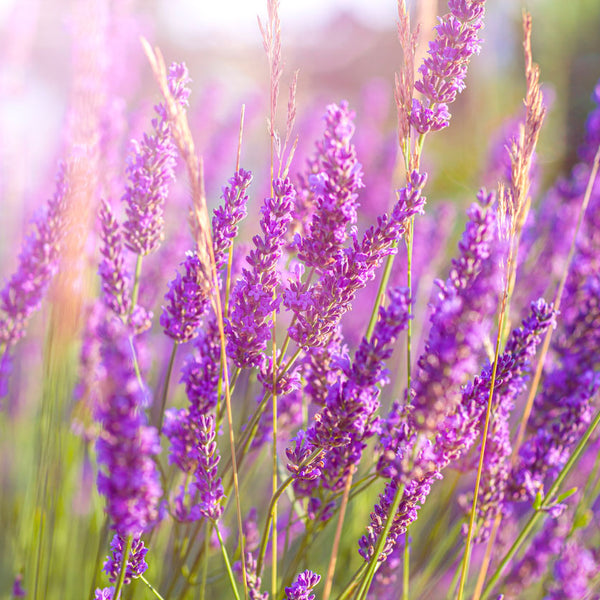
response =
{"points": [[374, 561], [545, 504], [406, 566], [152, 589], [270, 514], [205, 562], [467, 555], [385, 278], [123, 571], [353, 582], [228, 564], [136, 281], [274, 480], [163, 401]]}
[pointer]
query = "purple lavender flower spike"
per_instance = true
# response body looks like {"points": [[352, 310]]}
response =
{"points": [[455, 434], [520, 348], [253, 579], [200, 372], [574, 572], [301, 588], [335, 188], [104, 593], [226, 217], [136, 561], [38, 262], [443, 72], [207, 485], [460, 320], [347, 420], [18, 591], [319, 309], [298, 454], [112, 266], [252, 302], [187, 301], [128, 478], [150, 171]]}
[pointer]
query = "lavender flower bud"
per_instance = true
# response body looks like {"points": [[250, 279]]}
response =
{"points": [[252, 301], [136, 563], [301, 588], [318, 311], [150, 172], [460, 320], [443, 72], [226, 217], [335, 191], [187, 300], [112, 266]]}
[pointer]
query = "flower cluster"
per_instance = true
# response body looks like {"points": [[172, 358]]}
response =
{"points": [[187, 300], [226, 217], [136, 560], [38, 262], [443, 72], [125, 446], [150, 171], [252, 300], [334, 188], [319, 309]]}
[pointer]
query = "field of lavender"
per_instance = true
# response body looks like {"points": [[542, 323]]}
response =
{"points": [[328, 380]]}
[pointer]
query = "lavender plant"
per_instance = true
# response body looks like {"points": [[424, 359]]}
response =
{"points": [[270, 408]]}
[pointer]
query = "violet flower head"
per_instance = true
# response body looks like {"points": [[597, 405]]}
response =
{"points": [[460, 320], [512, 364], [334, 188], [150, 171], [253, 579], [300, 466], [592, 129], [112, 266], [573, 573], [319, 309], [301, 588], [229, 214], [128, 478], [187, 300], [136, 561], [200, 372], [252, 299], [206, 483], [104, 593], [348, 420], [456, 434], [38, 262], [18, 591], [443, 72]]}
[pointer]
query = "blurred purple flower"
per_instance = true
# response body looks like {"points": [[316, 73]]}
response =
{"points": [[128, 478], [38, 262]]}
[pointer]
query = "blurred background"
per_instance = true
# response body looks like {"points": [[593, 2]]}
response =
{"points": [[60, 58]]}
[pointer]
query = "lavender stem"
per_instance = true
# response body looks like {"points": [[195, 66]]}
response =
{"points": [[546, 502]]}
